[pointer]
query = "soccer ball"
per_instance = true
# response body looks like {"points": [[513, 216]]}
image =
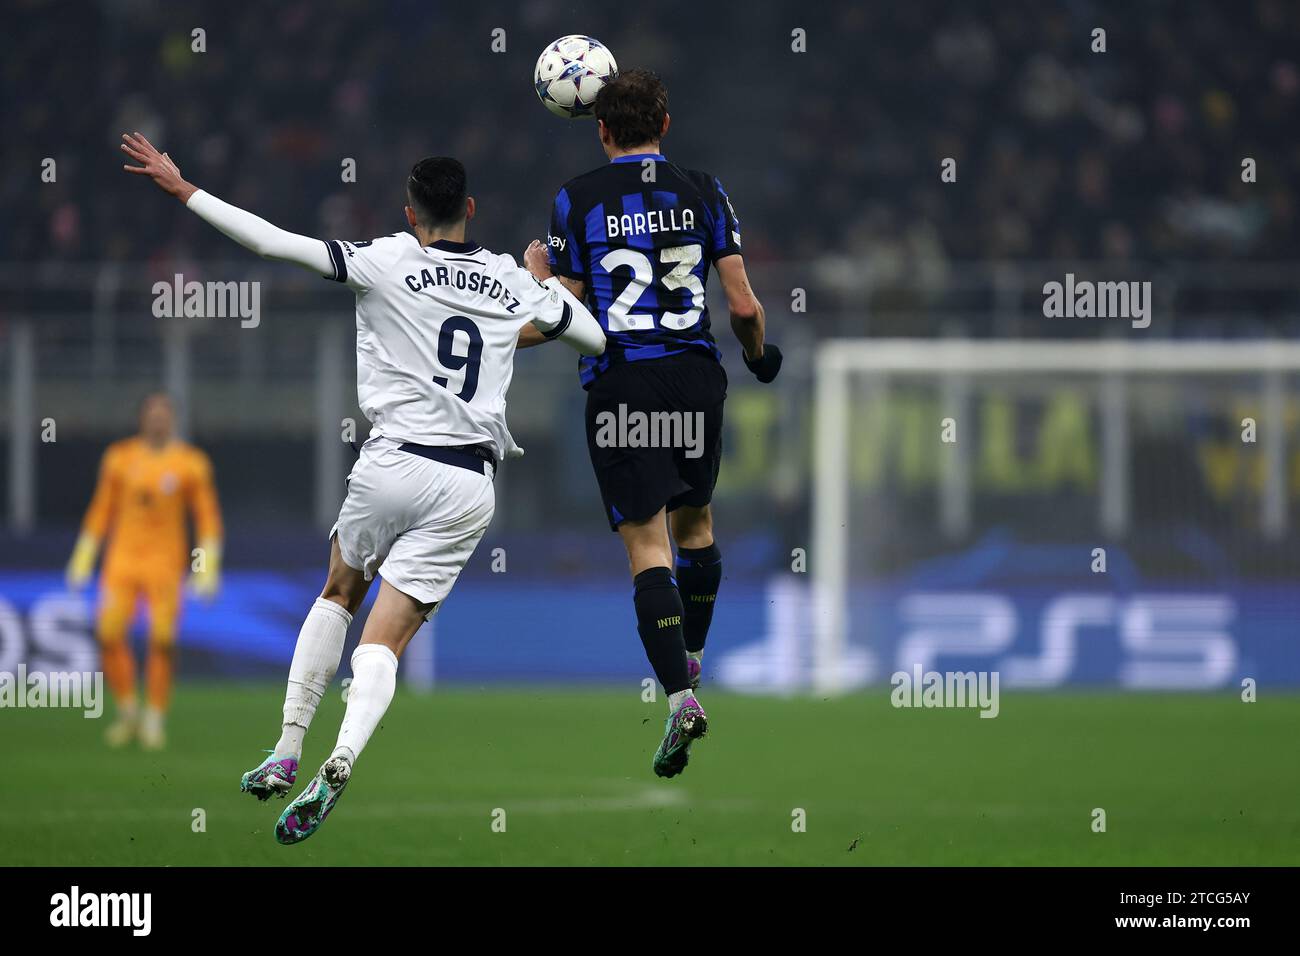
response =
{"points": [[569, 74]]}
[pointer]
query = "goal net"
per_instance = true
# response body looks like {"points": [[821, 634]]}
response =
{"points": [[1061, 512]]}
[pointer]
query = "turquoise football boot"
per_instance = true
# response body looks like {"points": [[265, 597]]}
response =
{"points": [[308, 811], [685, 725], [273, 777]]}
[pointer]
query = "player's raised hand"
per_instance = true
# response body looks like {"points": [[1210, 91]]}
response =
{"points": [[157, 166], [538, 261]]}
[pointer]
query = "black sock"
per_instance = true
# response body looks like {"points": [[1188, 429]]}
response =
{"points": [[659, 622], [699, 572]]}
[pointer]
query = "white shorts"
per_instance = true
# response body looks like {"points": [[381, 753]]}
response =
{"points": [[415, 520]]}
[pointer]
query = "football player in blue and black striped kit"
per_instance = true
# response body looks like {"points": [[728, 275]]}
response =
{"points": [[636, 238]]}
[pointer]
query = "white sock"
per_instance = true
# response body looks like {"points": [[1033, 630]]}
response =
{"points": [[374, 679], [316, 659], [676, 700]]}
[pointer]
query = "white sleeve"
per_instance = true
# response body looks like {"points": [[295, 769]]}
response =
{"points": [[362, 264], [557, 314], [261, 237]]}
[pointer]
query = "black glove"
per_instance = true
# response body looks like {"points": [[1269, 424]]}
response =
{"points": [[767, 365]]}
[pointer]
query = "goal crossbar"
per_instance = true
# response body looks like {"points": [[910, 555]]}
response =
{"points": [[976, 357]]}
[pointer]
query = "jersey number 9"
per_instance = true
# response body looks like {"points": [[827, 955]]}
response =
{"points": [[452, 362]]}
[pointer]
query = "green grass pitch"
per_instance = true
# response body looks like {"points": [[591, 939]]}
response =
{"points": [[1183, 779]]}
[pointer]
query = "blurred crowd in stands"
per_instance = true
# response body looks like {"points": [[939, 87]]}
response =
{"points": [[832, 154]]}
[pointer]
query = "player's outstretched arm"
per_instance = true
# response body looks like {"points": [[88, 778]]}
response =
{"points": [[748, 320], [571, 323], [251, 232], [576, 327]]}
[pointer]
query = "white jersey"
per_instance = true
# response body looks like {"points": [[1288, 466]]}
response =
{"points": [[436, 333]]}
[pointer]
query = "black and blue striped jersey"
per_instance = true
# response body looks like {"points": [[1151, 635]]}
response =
{"points": [[642, 232]]}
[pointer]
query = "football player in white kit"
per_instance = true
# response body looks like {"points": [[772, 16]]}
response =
{"points": [[438, 319]]}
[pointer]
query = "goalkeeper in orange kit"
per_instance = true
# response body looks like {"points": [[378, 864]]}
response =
{"points": [[146, 484]]}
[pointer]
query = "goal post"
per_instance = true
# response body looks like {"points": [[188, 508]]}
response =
{"points": [[955, 366]]}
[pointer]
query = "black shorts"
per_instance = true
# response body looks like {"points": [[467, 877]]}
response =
{"points": [[645, 459]]}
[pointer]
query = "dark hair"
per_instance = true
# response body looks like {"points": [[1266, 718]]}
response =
{"points": [[437, 190], [633, 106]]}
